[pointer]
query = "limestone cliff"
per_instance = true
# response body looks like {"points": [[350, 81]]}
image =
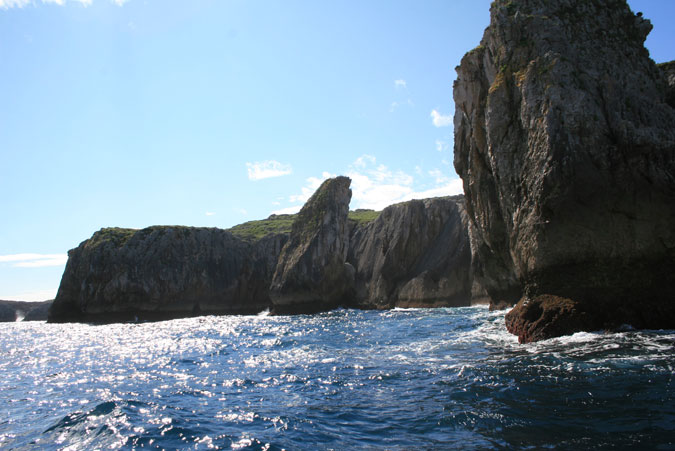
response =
{"points": [[415, 254], [412, 254], [566, 147], [312, 274], [165, 272]]}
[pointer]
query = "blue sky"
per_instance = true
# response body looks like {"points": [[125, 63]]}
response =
{"points": [[212, 113]]}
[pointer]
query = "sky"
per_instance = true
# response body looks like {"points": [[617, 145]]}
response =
{"points": [[131, 113]]}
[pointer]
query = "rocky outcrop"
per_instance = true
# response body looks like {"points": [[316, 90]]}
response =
{"points": [[668, 71], [312, 272], [40, 312], [165, 272], [415, 254], [23, 311], [566, 147]]}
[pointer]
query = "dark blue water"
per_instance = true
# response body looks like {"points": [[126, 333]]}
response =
{"points": [[440, 378]]}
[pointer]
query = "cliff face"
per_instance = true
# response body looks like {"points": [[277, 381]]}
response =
{"points": [[165, 272], [23, 311], [415, 254], [668, 71], [566, 147], [312, 273]]}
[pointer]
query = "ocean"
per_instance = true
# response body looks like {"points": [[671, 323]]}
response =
{"points": [[400, 379]]}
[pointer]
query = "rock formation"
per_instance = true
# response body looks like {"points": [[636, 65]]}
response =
{"points": [[668, 71], [312, 272], [23, 311], [165, 272], [566, 147], [415, 254]]}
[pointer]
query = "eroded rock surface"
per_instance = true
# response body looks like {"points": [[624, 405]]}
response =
{"points": [[566, 146], [312, 272], [668, 71], [415, 254], [165, 272]]}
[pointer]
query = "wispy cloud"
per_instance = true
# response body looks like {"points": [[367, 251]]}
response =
{"points": [[210, 213], [441, 145], [395, 105], [7, 4], [313, 183], [439, 120], [34, 260], [267, 169], [376, 186], [400, 83]]}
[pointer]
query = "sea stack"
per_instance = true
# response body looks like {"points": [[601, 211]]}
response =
{"points": [[565, 142], [312, 272]]}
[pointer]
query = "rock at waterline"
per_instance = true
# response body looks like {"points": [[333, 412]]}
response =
{"points": [[565, 142], [312, 272], [165, 272]]}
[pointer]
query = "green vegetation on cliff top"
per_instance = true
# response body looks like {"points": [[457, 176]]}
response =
{"points": [[254, 230], [248, 231], [364, 216], [117, 235]]}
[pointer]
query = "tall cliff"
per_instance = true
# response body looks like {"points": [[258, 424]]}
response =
{"points": [[312, 273], [412, 254], [415, 254], [566, 147], [165, 272]]}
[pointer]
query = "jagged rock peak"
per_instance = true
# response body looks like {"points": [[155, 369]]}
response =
{"points": [[565, 143], [312, 273]]}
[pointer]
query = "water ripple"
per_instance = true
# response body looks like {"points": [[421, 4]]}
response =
{"points": [[401, 379]]}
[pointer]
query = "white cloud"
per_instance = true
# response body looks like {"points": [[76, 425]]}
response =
{"points": [[7, 4], [313, 183], [439, 120], [441, 145], [210, 213], [267, 169], [376, 186], [400, 83], [34, 260]]}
